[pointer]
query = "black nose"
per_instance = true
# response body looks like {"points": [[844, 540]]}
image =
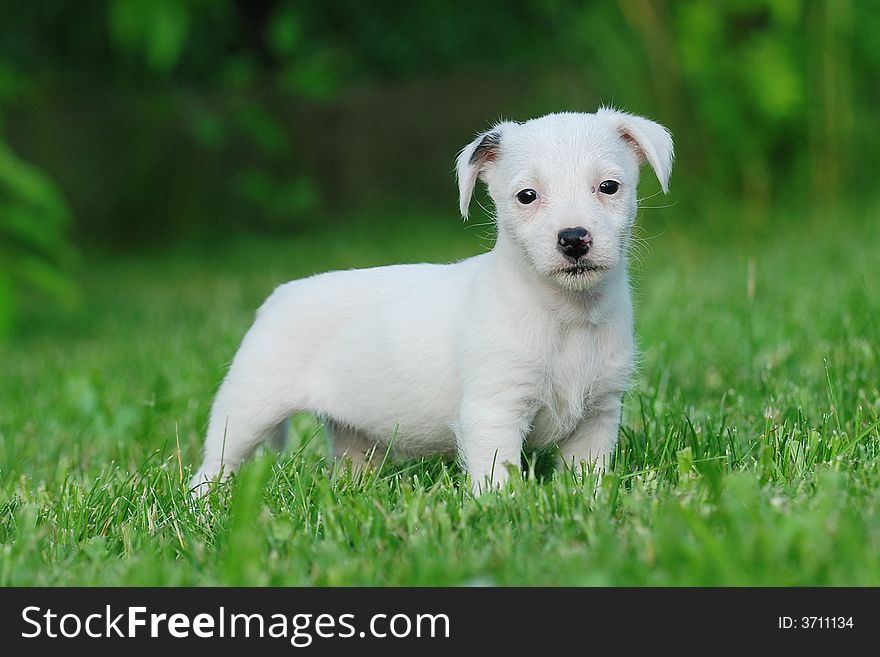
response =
{"points": [[574, 242]]}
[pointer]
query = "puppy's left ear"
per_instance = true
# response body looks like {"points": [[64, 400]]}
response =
{"points": [[475, 161], [650, 141]]}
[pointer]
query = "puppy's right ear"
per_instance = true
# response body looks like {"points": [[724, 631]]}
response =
{"points": [[473, 162], [650, 141]]}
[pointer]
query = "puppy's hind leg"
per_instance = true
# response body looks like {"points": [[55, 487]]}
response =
{"points": [[351, 446], [279, 436], [257, 396]]}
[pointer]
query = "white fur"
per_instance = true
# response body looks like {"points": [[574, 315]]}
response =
{"points": [[481, 358]]}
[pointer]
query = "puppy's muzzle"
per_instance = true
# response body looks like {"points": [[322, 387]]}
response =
{"points": [[574, 243]]}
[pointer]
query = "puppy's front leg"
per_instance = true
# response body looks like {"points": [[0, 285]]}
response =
{"points": [[594, 439], [490, 438]]}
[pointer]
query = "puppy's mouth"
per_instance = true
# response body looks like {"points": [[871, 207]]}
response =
{"points": [[582, 269]]}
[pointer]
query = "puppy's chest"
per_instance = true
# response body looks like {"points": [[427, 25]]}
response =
{"points": [[583, 368]]}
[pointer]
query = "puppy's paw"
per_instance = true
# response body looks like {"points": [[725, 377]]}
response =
{"points": [[584, 472], [203, 480]]}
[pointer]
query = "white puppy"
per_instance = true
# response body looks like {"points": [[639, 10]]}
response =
{"points": [[529, 345]]}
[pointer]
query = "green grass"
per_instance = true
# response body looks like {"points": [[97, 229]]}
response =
{"points": [[748, 455]]}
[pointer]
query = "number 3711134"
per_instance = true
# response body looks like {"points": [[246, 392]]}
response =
{"points": [[815, 622]]}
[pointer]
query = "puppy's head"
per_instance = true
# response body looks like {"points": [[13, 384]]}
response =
{"points": [[564, 187]]}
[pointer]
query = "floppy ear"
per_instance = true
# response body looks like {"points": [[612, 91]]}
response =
{"points": [[472, 162], [649, 140]]}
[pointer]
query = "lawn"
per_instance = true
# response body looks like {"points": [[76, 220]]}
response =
{"points": [[748, 454]]}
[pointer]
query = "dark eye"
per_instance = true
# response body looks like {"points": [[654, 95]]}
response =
{"points": [[527, 196], [609, 187]]}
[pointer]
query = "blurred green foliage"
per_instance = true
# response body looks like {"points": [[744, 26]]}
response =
{"points": [[153, 29], [160, 120], [33, 244]]}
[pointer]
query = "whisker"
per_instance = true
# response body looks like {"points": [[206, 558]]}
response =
{"points": [[656, 207], [483, 207], [638, 228], [485, 223], [645, 198]]}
